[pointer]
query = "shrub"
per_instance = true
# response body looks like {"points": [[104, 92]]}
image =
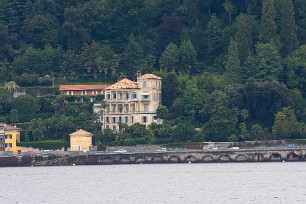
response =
{"points": [[26, 79], [28, 117], [48, 144]]}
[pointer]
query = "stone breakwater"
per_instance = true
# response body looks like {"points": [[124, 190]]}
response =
{"points": [[195, 156]]}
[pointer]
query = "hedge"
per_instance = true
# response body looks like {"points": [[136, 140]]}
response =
{"points": [[22, 118], [47, 144], [133, 142]]}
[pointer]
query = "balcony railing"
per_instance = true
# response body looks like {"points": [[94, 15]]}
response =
{"points": [[129, 112], [121, 100]]}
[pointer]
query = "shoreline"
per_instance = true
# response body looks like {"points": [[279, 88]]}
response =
{"points": [[226, 156]]}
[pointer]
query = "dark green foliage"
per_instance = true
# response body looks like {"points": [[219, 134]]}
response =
{"points": [[187, 57], [169, 59], [170, 30], [297, 69], [48, 144], [222, 122], [162, 112], [22, 118], [184, 132], [133, 142], [287, 27], [204, 64], [170, 89], [27, 104], [215, 37], [233, 63], [265, 65], [265, 99], [268, 30], [285, 124], [40, 30]]}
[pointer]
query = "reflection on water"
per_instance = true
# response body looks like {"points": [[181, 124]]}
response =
{"points": [[156, 183]]}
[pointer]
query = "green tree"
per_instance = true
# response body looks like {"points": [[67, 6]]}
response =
{"points": [[37, 134], [169, 59], [14, 116], [285, 124], [264, 100], [39, 61], [40, 30], [296, 63], [27, 104], [11, 87], [138, 130], [162, 112], [246, 27], [133, 56], [287, 27], [222, 122], [258, 132], [170, 30], [187, 57], [170, 89], [229, 7], [233, 63], [75, 30], [215, 37], [268, 30], [184, 132], [265, 65], [109, 135]]}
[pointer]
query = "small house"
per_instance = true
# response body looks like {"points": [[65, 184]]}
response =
{"points": [[80, 140], [9, 136]]}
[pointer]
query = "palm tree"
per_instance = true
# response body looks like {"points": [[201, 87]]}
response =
{"points": [[229, 8], [103, 105], [11, 87]]}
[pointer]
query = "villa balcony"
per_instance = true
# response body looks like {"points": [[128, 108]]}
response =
{"points": [[122, 100]]}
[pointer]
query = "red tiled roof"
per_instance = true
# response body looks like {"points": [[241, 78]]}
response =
{"points": [[149, 76], [7, 127], [124, 84], [87, 87]]}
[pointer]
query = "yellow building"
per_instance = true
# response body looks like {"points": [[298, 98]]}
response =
{"points": [[80, 140], [9, 135], [131, 102]]}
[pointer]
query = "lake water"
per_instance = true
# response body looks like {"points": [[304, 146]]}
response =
{"points": [[156, 183]]}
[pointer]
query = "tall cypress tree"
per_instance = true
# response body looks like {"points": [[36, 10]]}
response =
{"points": [[233, 62], [268, 31], [214, 35], [245, 29], [287, 27]]}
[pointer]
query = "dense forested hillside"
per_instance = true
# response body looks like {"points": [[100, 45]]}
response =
{"points": [[236, 68]]}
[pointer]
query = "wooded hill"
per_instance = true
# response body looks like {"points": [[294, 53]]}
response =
{"points": [[236, 68]]}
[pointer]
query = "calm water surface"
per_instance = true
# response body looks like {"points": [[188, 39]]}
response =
{"points": [[156, 183]]}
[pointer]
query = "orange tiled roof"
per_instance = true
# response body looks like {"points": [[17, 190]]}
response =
{"points": [[87, 87], [7, 127], [149, 76], [124, 84], [81, 132]]}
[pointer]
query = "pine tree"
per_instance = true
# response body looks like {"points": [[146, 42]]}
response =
{"points": [[214, 35], [245, 29], [265, 65], [233, 62], [268, 32], [244, 48], [287, 27], [169, 58]]}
